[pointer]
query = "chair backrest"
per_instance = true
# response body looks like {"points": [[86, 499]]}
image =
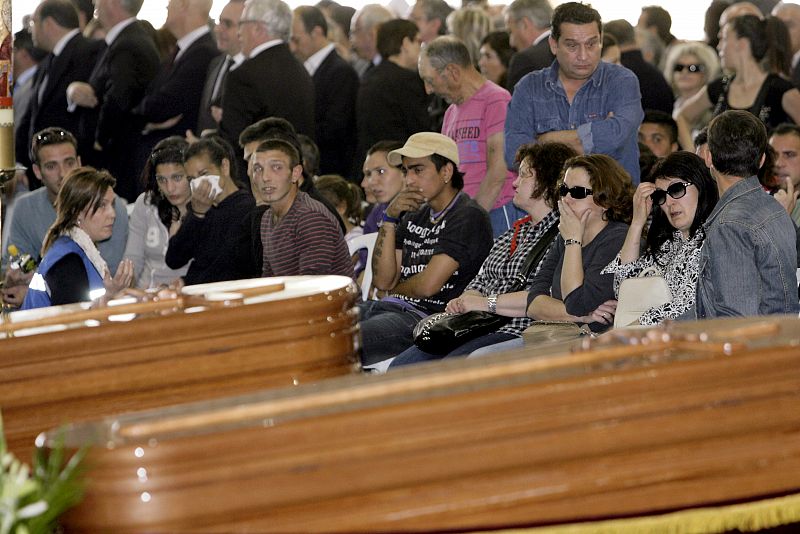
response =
{"points": [[364, 241]]}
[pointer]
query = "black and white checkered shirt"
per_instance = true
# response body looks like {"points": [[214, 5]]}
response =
{"points": [[501, 270]]}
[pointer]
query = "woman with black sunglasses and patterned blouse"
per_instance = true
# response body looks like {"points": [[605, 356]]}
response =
{"points": [[680, 198], [595, 206]]}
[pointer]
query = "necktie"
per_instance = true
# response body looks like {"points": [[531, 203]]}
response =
{"points": [[215, 94], [42, 76]]}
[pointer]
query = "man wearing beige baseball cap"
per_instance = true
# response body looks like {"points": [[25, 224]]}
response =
{"points": [[431, 243]]}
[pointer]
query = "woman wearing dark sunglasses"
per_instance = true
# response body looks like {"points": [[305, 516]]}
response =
{"points": [[756, 52], [595, 206], [680, 199], [689, 67]]}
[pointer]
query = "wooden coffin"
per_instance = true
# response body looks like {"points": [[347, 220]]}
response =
{"points": [[218, 340], [699, 414]]}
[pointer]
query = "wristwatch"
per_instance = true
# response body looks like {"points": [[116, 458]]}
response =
{"points": [[491, 302], [568, 242]]}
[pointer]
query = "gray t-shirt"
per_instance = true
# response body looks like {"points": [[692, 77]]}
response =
{"points": [[34, 214]]}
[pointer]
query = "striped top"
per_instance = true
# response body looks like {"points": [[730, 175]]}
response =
{"points": [[307, 240]]}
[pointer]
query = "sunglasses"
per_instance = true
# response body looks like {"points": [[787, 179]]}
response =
{"points": [[692, 67], [576, 191], [676, 190]]}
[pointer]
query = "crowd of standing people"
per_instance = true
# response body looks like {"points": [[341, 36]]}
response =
{"points": [[522, 161]]}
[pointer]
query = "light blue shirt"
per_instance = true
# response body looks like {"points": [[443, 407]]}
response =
{"points": [[606, 111], [34, 214]]}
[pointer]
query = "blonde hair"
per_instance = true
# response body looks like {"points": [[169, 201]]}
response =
{"points": [[470, 25], [704, 54]]}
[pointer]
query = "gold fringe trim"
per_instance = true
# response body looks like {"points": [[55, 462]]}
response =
{"points": [[747, 517]]}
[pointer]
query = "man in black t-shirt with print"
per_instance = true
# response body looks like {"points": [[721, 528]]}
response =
{"points": [[431, 243]]}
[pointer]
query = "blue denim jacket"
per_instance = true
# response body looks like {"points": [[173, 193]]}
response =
{"points": [[539, 105], [748, 264]]}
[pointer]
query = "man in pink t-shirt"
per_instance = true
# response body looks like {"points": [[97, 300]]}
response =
{"points": [[475, 121]]}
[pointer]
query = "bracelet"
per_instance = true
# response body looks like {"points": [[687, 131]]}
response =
{"points": [[491, 303], [388, 218], [568, 242]]}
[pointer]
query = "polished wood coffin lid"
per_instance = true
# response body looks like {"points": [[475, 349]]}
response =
{"points": [[634, 423], [223, 339]]}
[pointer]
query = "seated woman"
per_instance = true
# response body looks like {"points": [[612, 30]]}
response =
{"points": [[595, 211], [536, 189], [346, 198], [157, 214], [680, 199], [755, 52], [72, 269], [215, 233]]}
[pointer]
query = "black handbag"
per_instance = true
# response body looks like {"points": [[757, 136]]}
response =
{"points": [[443, 332]]}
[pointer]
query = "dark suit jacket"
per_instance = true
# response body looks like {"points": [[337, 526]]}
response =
{"points": [[120, 79], [272, 84], [336, 88], [176, 90], [74, 63], [535, 57], [656, 92], [204, 119], [392, 104]]}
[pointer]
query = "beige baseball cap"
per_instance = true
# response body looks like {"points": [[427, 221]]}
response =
{"points": [[424, 144]]}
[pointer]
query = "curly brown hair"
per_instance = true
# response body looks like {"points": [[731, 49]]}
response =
{"points": [[547, 160], [611, 185]]}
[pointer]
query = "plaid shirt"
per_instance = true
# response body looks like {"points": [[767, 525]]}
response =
{"points": [[501, 270]]}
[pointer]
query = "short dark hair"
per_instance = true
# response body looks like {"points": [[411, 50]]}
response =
{"points": [[689, 168], [391, 34], [268, 128], [63, 12], [701, 138], [660, 18], [50, 136], [385, 146], [281, 146], [547, 161], [311, 18], [654, 116], [458, 177], [786, 128], [622, 31], [737, 141], [574, 13], [23, 40]]}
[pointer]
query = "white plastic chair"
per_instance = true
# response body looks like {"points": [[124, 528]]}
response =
{"points": [[366, 241]]}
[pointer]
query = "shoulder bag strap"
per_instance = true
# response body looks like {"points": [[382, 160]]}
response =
{"points": [[534, 257]]}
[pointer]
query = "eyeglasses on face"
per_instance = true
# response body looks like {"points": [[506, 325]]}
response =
{"points": [[691, 67], [577, 192], [676, 191]]}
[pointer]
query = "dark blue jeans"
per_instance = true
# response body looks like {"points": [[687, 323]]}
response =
{"points": [[386, 330], [415, 355]]}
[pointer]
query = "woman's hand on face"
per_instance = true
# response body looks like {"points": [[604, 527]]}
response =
{"points": [[642, 204], [202, 198], [122, 279], [570, 226], [604, 314]]}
